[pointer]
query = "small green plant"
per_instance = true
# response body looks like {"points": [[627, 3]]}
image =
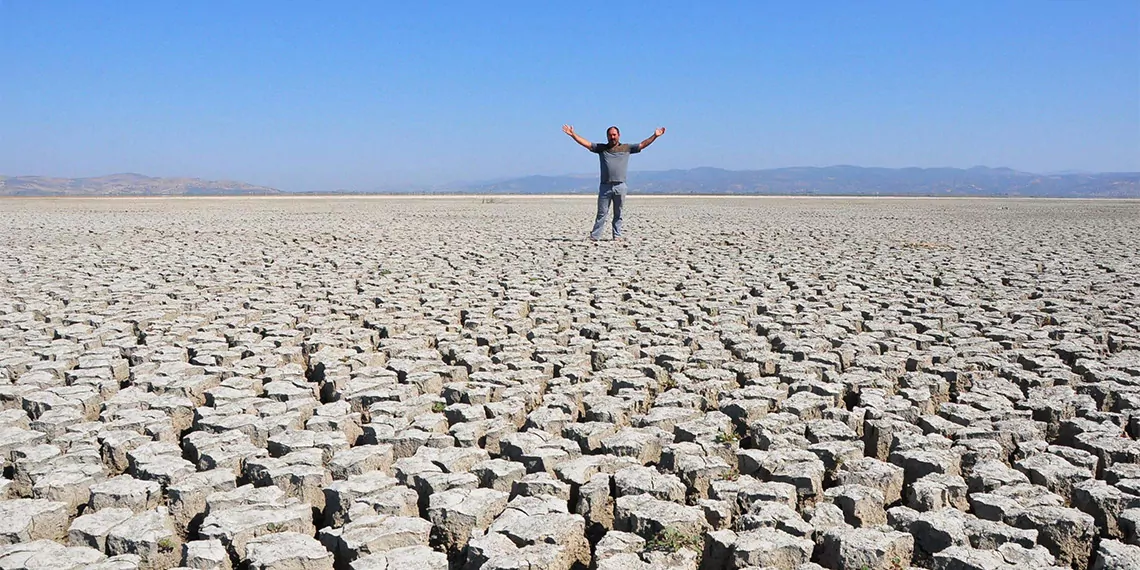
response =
{"points": [[672, 540], [274, 527], [438, 407], [923, 245], [166, 543], [727, 437], [731, 475], [667, 383]]}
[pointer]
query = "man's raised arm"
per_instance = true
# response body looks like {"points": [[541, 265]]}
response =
{"points": [[660, 131], [570, 131]]}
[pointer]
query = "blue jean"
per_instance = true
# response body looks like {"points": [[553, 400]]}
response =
{"points": [[607, 193]]}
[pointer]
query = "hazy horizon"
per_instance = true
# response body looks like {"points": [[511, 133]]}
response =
{"points": [[583, 174], [359, 96]]}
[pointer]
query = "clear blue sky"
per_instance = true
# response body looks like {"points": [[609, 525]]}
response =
{"points": [[328, 95]]}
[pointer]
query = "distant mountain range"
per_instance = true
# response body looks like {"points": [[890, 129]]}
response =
{"points": [[799, 181], [843, 181], [126, 185]]}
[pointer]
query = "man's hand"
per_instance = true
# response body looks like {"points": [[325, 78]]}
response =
{"points": [[568, 129], [656, 133]]}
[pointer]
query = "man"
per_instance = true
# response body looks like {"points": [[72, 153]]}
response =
{"points": [[614, 158]]}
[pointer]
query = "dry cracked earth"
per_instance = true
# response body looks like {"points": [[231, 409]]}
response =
{"points": [[468, 383]]}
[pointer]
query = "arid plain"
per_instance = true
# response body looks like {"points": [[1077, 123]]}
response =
{"points": [[417, 383]]}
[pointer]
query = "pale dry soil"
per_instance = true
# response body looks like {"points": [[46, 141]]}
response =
{"points": [[467, 382]]}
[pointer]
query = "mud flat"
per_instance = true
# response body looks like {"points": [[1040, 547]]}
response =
{"points": [[466, 382]]}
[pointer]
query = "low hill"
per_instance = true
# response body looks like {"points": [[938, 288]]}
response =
{"points": [[126, 185], [842, 181]]}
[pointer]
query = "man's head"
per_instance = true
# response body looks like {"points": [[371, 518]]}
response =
{"points": [[613, 135]]}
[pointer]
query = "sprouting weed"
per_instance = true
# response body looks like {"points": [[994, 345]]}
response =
{"points": [[672, 540], [727, 437]]}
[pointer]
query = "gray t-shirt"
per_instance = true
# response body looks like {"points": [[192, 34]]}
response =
{"points": [[615, 160]]}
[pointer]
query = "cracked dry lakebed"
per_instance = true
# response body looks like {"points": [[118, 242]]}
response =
{"points": [[469, 383]]}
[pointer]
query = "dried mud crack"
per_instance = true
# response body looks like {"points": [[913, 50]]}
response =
{"points": [[406, 384]]}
